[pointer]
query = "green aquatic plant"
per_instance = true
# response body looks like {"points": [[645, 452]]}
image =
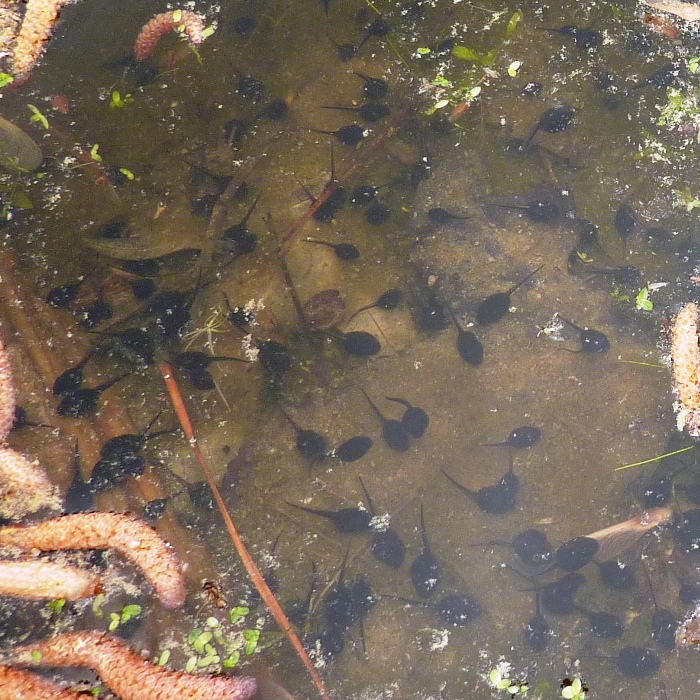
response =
{"points": [[642, 301], [37, 116], [55, 606], [573, 689], [5, 79], [127, 613], [117, 101]]}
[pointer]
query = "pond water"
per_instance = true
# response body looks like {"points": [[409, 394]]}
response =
{"points": [[193, 132]]}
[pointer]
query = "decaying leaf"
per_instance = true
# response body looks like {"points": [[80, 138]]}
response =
{"points": [[685, 10]]}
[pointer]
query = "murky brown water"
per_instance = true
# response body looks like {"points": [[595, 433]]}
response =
{"points": [[596, 411]]}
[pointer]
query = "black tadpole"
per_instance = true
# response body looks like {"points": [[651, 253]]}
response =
{"points": [[353, 449], [135, 345], [495, 499], [553, 120], [379, 28], [63, 295], [72, 378], [388, 548], [637, 662], [540, 210], [349, 135], [370, 112], [469, 346], [519, 438], [425, 569], [531, 547], [343, 251], [359, 344], [310, 444], [586, 39], [494, 307], [627, 223], [662, 78], [393, 431], [602, 624], [82, 401], [345, 520], [592, 341], [557, 597], [374, 88], [537, 632], [130, 444], [387, 301], [239, 235], [617, 575], [458, 609], [194, 360], [415, 420], [273, 357], [576, 553], [438, 215]]}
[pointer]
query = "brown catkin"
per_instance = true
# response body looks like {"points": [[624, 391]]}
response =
{"points": [[39, 20], [685, 356], [39, 579], [163, 23], [135, 539], [125, 673], [7, 394], [16, 684]]}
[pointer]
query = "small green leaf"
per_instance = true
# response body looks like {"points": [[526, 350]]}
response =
{"points": [[36, 657], [466, 54], [235, 614], [97, 605], [37, 116], [191, 664], [55, 606], [193, 635], [642, 302], [251, 640], [94, 154], [126, 173], [113, 622], [208, 31], [232, 660], [5, 79], [421, 51], [513, 23], [164, 658], [440, 81], [693, 64], [177, 15], [513, 68], [129, 611]]}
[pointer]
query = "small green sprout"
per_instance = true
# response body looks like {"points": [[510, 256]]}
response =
{"points": [[642, 302], [113, 622], [126, 173], [163, 658], [251, 640], [573, 689], [94, 154], [422, 50], [97, 605], [232, 660], [238, 613], [5, 79], [117, 101], [201, 641], [513, 68], [127, 613], [37, 116], [513, 23], [208, 31], [191, 664], [55, 606]]}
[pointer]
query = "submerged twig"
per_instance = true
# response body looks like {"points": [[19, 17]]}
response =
{"points": [[252, 569]]}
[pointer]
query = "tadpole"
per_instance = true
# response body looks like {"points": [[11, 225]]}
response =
{"points": [[393, 432], [194, 360], [343, 251], [537, 632], [359, 344], [616, 575], [72, 378], [414, 420], [553, 120], [349, 135], [371, 112], [425, 569], [387, 301], [494, 307], [65, 294], [374, 88], [592, 341], [638, 662], [495, 499], [469, 346], [82, 401], [353, 449], [603, 624], [346, 520], [239, 235], [458, 610], [309, 444], [519, 438]]}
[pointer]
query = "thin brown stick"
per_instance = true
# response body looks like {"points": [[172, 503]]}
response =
{"points": [[256, 577]]}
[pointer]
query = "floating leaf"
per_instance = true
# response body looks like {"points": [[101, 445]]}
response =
{"points": [[37, 116], [5, 79], [467, 54], [513, 23]]}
